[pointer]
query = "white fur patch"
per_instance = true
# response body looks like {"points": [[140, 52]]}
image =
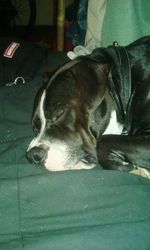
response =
{"points": [[114, 127], [36, 141], [57, 156]]}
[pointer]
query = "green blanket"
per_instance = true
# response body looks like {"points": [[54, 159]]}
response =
{"points": [[73, 210]]}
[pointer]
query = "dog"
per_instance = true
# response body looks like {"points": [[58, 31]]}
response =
{"points": [[95, 110]]}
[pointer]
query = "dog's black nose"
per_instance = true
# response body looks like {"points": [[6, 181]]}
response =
{"points": [[36, 155]]}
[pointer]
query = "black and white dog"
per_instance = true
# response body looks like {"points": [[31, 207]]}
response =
{"points": [[96, 109]]}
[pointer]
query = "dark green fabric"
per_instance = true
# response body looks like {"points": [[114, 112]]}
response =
{"points": [[73, 210]]}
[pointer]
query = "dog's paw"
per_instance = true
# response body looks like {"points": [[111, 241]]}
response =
{"points": [[142, 172]]}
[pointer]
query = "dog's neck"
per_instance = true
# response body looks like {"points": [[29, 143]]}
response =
{"points": [[120, 82], [107, 118]]}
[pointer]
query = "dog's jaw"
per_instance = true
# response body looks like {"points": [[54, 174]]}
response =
{"points": [[59, 159], [59, 156]]}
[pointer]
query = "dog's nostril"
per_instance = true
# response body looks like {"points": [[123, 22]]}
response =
{"points": [[36, 155]]}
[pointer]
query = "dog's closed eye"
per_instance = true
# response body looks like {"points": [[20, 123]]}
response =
{"points": [[58, 115]]}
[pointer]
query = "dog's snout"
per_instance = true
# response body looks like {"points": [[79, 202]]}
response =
{"points": [[36, 155]]}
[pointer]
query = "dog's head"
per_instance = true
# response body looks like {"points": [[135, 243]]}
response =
{"points": [[69, 115]]}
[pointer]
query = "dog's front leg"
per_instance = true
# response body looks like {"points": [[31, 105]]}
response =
{"points": [[125, 153]]}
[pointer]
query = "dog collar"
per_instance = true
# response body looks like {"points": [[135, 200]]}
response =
{"points": [[120, 81]]}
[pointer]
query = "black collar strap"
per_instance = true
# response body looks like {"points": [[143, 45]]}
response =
{"points": [[120, 83]]}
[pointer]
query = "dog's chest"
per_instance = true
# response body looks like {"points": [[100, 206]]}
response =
{"points": [[113, 127]]}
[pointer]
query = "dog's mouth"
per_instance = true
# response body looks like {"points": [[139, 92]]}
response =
{"points": [[88, 162], [59, 157], [89, 159], [77, 166], [83, 165]]}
